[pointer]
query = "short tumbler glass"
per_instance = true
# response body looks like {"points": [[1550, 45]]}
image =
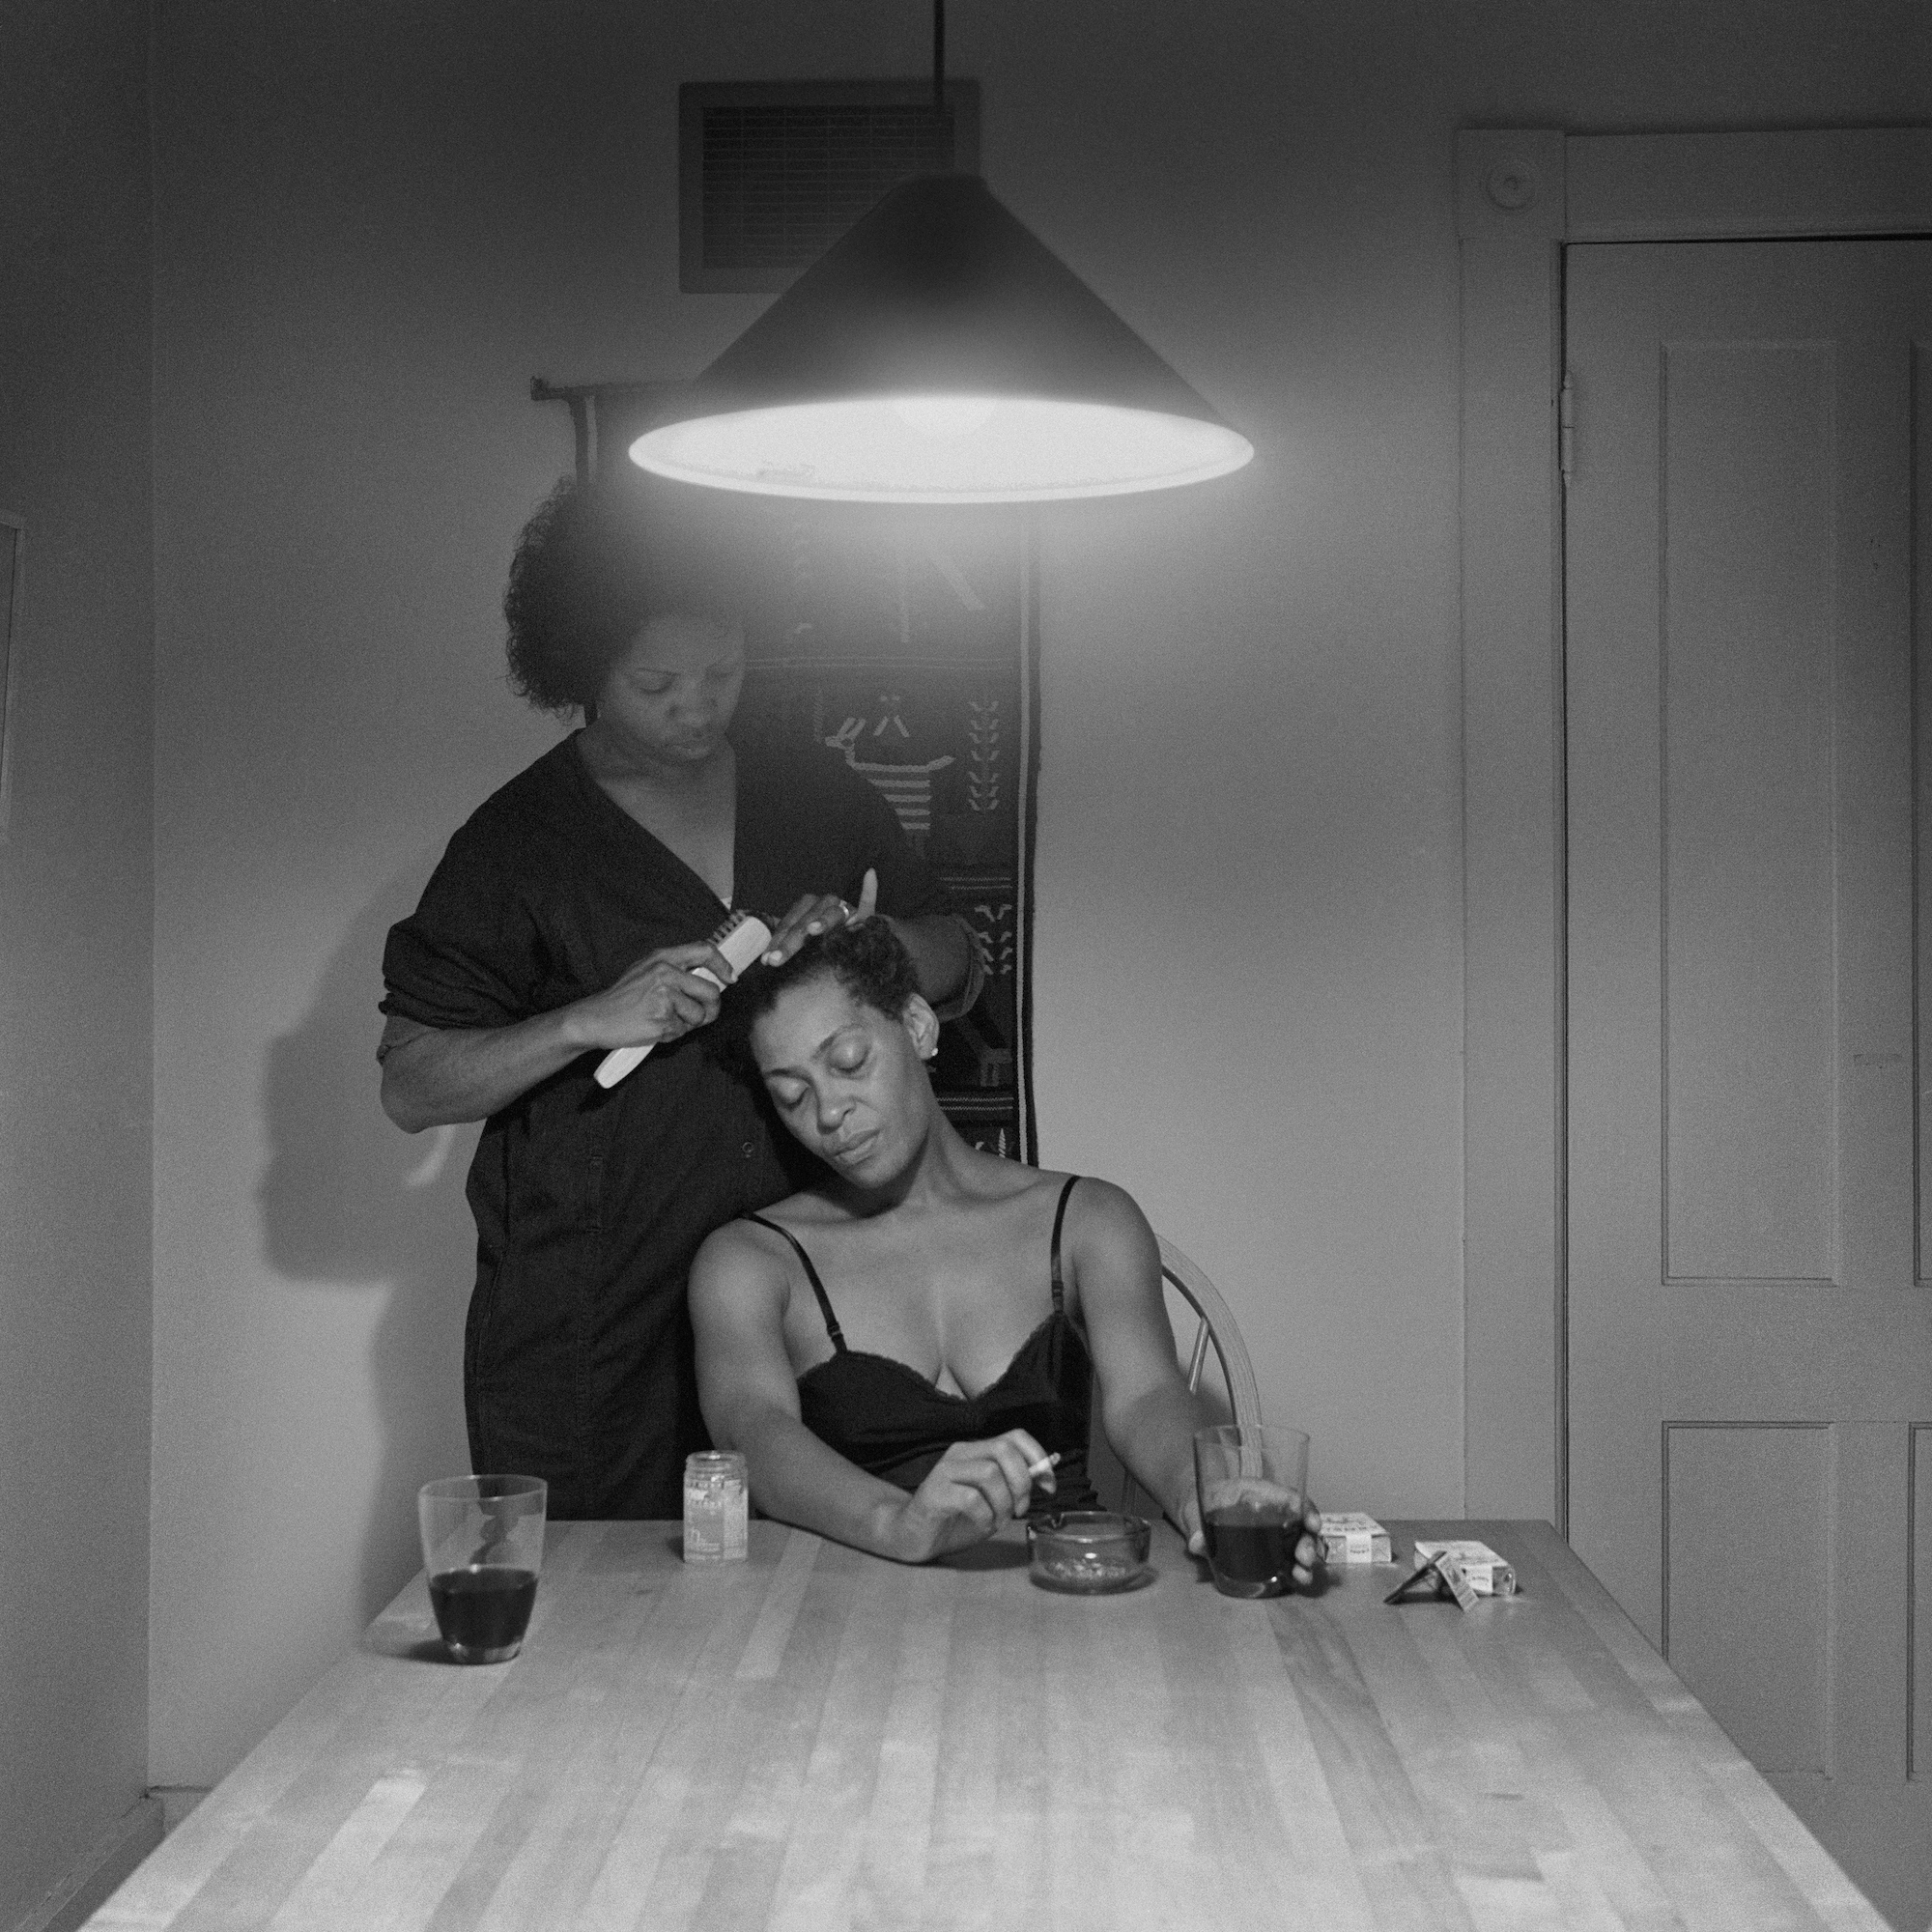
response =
{"points": [[482, 1543], [1253, 1482]]}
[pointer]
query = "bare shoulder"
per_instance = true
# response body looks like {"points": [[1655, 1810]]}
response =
{"points": [[808, 1207], [1096, 1209], [995, 1180], [742, 1267], [1111, 1258], [1106, 1211]]}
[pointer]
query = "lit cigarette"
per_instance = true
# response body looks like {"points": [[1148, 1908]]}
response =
{"points": [[1044, 1466]]}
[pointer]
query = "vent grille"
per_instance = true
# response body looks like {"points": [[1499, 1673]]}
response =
{"points": [[772, 174]]}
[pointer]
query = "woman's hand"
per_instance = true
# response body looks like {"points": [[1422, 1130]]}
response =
{"points": [[814, 913], [432, 1076], [971, 1492], [661, 998], [1307, 1552]]}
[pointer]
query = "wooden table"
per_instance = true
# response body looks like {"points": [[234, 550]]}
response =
{"points": [[817, 1739]]}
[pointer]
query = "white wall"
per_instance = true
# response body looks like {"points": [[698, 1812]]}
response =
{"points": [[376, 223], [75, 910]]}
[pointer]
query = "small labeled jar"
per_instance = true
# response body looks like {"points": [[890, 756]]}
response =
{"points": [[716, 1507]]}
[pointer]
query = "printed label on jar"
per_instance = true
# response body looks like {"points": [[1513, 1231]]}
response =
{"points": [[716, 1509]]}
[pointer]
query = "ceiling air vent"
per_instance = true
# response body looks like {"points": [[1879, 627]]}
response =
{"points": [[771, 173]]}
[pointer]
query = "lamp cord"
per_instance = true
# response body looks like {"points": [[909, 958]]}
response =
{"points": [[939, 60]]}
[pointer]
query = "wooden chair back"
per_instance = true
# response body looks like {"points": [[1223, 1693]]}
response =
{"points": [[1213, 1327]]}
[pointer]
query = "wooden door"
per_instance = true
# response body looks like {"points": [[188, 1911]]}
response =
{"points": [[1750, 1334]]}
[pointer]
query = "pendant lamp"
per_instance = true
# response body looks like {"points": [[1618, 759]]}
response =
{"points": [[940, 353]]}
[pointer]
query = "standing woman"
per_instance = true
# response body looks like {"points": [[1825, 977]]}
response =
{"points": [[568, 917]]}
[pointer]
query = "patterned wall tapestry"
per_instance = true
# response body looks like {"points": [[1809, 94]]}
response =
{"points": [[903, 640]]}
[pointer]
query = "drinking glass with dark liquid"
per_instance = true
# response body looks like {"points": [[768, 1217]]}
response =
{"points": [[1253, 1485], [482, 1541]]}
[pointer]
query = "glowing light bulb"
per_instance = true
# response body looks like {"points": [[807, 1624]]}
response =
{"points": [[944, 416], [1023, 449]]}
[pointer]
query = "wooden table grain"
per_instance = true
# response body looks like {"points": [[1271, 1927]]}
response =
{"points": [[817, 1740]]}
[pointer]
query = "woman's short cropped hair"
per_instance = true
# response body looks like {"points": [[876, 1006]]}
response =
{"points": [[591, 568], [868, 960]]}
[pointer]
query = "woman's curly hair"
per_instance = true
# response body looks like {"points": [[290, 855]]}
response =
{"points": [[588, 575], [868, 960]]}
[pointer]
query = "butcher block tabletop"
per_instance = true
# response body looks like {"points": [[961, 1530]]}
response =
{"points": [[817, 1739]]}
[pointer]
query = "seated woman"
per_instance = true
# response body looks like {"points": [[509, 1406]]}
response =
{"points": [[905, 1350]]}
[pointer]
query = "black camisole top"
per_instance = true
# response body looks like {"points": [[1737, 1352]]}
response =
{"points": [[894, 1422]]}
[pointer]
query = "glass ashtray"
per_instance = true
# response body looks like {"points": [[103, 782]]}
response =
{"points": [[1088, 1553]]}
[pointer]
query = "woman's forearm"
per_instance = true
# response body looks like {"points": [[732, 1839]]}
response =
{"points": [[1154, 1438], [443, 1075], [942, 955], [798, 1479]]}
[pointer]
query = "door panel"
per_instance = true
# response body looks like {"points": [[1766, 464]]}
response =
{"points": [[1749, 1331], [1747, 901], [1919, 1748], [1922, 622], [1746, 1540]]}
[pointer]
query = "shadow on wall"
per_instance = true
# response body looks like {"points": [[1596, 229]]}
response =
{"points": [[349, 1201]]}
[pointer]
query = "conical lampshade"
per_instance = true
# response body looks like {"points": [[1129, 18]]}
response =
{"points": [[940, 354]]}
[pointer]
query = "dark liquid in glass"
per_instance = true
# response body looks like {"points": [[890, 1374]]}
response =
{"points": [[483, 1613], [1252, 1549]]}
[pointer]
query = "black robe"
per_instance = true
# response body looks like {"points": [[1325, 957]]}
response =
{"points": [[590, 1203]]}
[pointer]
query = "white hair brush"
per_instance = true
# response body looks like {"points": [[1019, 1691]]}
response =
{"points": [[741, 939]]}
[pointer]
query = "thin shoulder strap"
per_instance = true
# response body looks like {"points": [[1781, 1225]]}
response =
{"points": [[1059, 1215], [831, 1328]]}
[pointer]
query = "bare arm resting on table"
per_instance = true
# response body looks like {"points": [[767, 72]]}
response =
{"points": [[750, 1396], [1146, 1408]]}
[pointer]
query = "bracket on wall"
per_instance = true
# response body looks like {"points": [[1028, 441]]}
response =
{"points": [[601, 410]]}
